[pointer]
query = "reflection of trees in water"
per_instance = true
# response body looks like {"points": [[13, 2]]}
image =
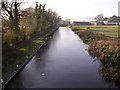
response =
{"points": [[110, 74]]}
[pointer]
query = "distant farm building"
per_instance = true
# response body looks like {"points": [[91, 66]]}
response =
{"points": [[76, 23], [110, 23], [114, 20], [93, 22]]}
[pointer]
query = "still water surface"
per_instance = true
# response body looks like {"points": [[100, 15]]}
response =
{"points": [[64, 62]]}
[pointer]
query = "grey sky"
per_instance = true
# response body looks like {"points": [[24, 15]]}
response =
{"points": [[80, 9]]}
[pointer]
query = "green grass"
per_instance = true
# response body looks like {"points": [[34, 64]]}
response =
{"points": [[111, 31], [19, 52], [38, 41], [13, 56]]}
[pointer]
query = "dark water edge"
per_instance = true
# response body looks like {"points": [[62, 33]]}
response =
{"points": [[63, 63]]}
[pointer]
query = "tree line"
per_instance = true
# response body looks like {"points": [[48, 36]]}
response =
{"points": [[99, 18], [18, 25]]}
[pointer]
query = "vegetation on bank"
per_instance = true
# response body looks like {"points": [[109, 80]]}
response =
{"points": [[107, 50], [15, 57], [24, 31]]}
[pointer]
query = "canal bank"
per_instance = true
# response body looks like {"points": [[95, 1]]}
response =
{"points": [[64, 62], [106, 49], [40, 44]]}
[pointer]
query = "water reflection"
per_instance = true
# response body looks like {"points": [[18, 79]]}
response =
{"points": [[64, 62]]}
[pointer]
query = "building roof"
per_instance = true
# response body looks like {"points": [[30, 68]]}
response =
{"points": [[81, 23]]}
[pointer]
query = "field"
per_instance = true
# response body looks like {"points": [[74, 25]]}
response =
{"points": [[111, 31]]}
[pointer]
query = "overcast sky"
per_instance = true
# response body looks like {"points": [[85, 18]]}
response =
{"points": [[81, 9]]}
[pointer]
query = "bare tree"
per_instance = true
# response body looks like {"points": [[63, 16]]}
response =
{"points": [[39, 12], [10, 14], [99, 19]]}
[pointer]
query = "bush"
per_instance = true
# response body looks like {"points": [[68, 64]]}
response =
{"points": [[9, 37]]}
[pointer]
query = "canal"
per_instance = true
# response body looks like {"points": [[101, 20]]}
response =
{"points": [[63, 62]]}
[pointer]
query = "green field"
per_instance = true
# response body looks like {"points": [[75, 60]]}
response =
{"points": [[111, 31]]}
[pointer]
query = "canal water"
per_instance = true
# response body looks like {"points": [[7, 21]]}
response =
{"points": [[64, 62]]}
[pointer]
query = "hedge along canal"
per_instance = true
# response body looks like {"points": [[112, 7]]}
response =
{"points": [[63, 63], [43, 40]]}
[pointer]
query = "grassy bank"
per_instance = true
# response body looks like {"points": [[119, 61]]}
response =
{"points": [[15, 56], [106, 49]]}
